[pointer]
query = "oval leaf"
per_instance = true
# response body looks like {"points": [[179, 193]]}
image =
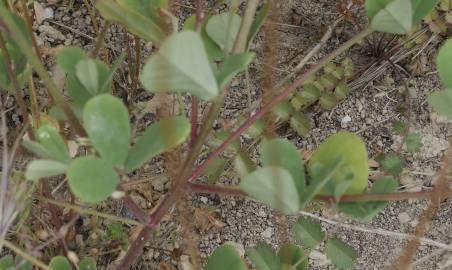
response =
{"points": [[53, 143], [225, 258], [444, 63], [422, 8], [88, 264], [92, 179], [282, 153], [340, 254], [42, 168], [308, 232], [223, 29], [273, 186], [365, 211], [390, 16], [233, 65], [264, 257], [106, 121], [158, 138], [6, 262], [137, 23], [441, 101], [181, 65], [88, 75], [59, 263], [292, 257], [350, 149]]}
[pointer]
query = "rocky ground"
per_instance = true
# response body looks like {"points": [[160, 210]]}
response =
{"points": [[369, 111]]}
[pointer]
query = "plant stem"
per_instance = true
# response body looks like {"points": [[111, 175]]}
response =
{"points": [[100, 40], [40, 69], [24, 254], [13, 78], [30, 28], [393, 196], [291, 88], [193, 121], [137, 63], [245, 26], [82, 210], [180, 185], [91, 15]]}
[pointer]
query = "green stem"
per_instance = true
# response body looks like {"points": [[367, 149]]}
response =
{"points": [[82, 210], [277, 99], [13, 78], [247, 21], [24, 254], [22, 42]]}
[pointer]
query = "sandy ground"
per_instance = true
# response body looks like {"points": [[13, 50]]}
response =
{"points": [[370, 110]]}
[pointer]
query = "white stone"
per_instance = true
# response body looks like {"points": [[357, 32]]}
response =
{"points": [[404, 217], [268, 233], [344, 121]]}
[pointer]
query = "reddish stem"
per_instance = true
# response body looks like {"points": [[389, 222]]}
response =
{"points": [[389, 196], [193, 120]]}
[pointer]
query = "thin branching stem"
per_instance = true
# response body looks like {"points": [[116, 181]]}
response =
{"points": [[13, 78], [286, 92], [24, 254], [40, 69], [364, 197], [100, 40]]}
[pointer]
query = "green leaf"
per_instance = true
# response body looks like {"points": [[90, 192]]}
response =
{"points": [[42, 168], [225, 258], [87, 264], [223, 29], [261, 16], [273, 186], [158, 138], [106, 121], [399, 128], [390, 16], [292, 258], [181, 65], [135, 21], [321, 175], [282, 153], [308, 232], [24, 264], [352, 152], [233, 65], [340, 254], [213, 50], [59, 263], [92, 179], [441, 101], [392, 163], [413, 142], [17, 59], [53, 143], [68, 58], [87, 74], [365, 211], [444, 65], [36, 148], [422, 8], [264, 257], [215, 169], [6, 262], [243, 164]]}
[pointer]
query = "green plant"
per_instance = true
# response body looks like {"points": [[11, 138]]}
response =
{"points": [[200, 62]]}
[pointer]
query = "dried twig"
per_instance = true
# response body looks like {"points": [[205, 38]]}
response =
{"points": [[402, 236]]}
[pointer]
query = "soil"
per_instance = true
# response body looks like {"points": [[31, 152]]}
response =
{"points": [[368, 111]]}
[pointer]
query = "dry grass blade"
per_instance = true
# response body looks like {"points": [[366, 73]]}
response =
{"points": [[437, 195]]}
